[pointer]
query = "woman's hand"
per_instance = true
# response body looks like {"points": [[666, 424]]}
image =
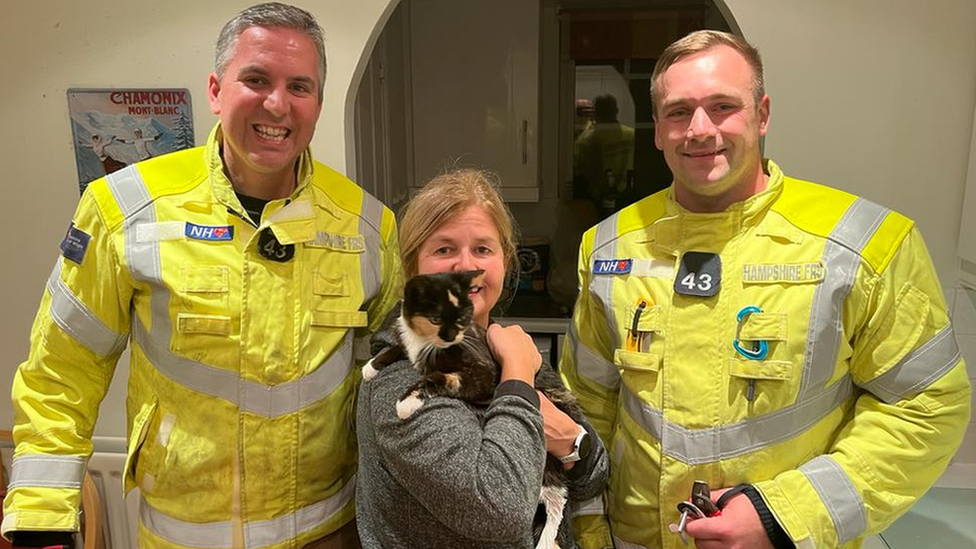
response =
{"points": [[561, 430], [515, 351]]}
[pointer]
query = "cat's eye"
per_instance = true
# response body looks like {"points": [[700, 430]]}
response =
{"points": [[434, 319]]}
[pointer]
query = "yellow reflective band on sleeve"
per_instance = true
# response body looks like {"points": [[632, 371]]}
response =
{"points": [[48, 471], [918, 369], [839, 496], [80, 322]]}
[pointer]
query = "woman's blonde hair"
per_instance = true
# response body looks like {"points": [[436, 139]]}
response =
{"points": [[446, 196]]}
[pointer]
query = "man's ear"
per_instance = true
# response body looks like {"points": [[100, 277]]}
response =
{"points": [[763, 115], [213, 93]]}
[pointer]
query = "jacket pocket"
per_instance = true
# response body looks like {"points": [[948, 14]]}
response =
{"points": [[329, 285], [636, 361], [137, 438], [205, 289]]}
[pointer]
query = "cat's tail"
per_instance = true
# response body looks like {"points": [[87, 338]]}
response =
{"points": [[554, 499]]}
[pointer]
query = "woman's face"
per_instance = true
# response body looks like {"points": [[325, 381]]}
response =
{"points": [[466, 242]]}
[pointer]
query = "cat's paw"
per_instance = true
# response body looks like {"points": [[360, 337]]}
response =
{"points": [[406, 407], [369, 372]]}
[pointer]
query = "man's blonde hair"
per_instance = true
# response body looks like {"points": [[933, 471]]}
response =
{"points": [[446, 196], [700, 41]]}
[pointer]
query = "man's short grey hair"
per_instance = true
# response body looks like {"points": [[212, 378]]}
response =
{"points": [[269, 15]]}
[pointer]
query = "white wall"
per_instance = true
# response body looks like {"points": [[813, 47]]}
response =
{"points": [[875, 97]]}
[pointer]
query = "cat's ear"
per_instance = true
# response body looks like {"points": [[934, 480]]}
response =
{"points": [[476, 278]]}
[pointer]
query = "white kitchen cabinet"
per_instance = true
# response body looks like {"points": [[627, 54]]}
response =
{"points": [[474, 75]]}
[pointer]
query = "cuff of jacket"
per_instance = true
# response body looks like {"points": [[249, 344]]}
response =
{"points": [[518, 388], [774, 531], [41, 539]]}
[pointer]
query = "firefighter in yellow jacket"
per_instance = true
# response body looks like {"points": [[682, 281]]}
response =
{"points": [[757, 332], [245, 278]]}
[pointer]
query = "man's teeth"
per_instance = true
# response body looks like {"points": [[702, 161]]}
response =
{"points": [[276, 134]]}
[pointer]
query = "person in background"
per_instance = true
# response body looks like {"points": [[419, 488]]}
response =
{"points": [[785, 342], [246, 278], [603, 158], [469, 475]]}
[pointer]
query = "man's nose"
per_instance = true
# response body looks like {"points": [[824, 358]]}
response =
{"points": [[276, 102], [701, 126]]}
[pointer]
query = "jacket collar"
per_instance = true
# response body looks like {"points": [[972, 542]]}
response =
{"points": [[680, 230], [223, 189]]}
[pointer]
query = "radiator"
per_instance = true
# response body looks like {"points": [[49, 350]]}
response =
{"points": [[120, 513]]}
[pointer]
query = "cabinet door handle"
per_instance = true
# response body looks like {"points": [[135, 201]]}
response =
{"points": [[525, 141]]}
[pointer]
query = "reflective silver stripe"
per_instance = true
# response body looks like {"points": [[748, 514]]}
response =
{"points": [[78, 321], [592, 506], [696, 446], [47, 471], [370, 223], [917, 369], [265, 400], [839, 496], [621, 544], [217, 535], [129, 190], [605, 247], [841, 256], [361, 348], [591, 365], [271, 401]]}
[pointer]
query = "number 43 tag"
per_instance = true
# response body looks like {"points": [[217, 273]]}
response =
{"points": [[700, 274]]}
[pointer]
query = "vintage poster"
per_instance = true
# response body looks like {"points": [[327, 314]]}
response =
{"points": [[116, 127]]}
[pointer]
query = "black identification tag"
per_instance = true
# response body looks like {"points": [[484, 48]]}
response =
{"points": [[269, 247], [700, 274]]}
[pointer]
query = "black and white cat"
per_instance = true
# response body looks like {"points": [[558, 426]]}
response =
{"points": [[436, 332]]}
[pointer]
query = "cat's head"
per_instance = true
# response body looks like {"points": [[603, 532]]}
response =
{"points": [[437, 308]]}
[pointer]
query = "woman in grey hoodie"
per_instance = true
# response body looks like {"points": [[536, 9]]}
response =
{"points": [[453, 474]]}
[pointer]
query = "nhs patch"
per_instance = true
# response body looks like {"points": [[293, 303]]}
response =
{"points": [[612, 266], [204, 232]]}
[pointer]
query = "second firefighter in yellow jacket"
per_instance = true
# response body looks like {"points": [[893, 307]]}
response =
{"points": [[744, 327], [244, 326]]}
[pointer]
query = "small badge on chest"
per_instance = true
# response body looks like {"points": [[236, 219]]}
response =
{"points": [[269, 247], [700, 274]]}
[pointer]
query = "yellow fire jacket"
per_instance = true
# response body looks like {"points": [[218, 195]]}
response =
{"points": [[242, 380], [846, 402]]}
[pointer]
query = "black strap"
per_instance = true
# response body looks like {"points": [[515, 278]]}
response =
{"points": [[779, 538]]}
